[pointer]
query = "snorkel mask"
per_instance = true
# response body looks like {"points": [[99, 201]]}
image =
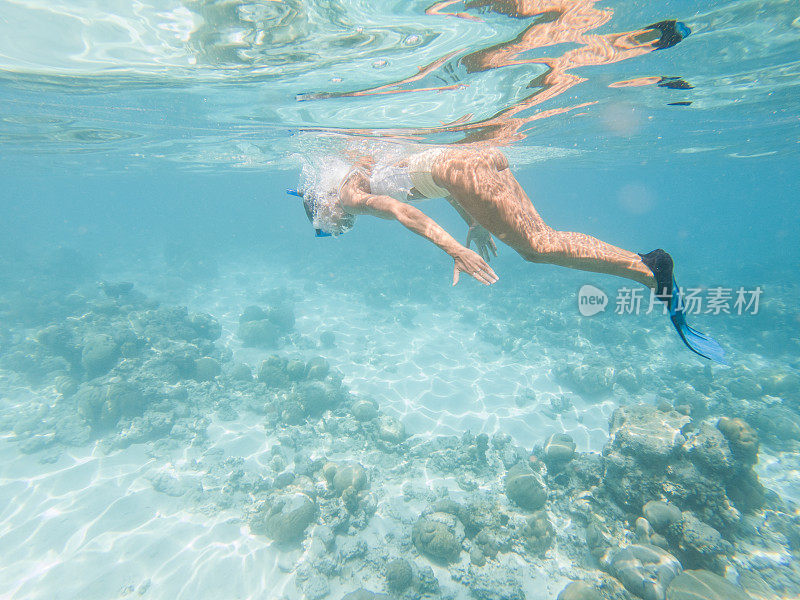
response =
{"points": [[310, 207]]}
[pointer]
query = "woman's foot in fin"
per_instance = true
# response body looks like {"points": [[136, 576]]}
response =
{"points": [[667, 290], [697, 342], [660, 263]]}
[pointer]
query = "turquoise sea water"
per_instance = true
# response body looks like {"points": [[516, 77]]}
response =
{"points": [[200, 399]]}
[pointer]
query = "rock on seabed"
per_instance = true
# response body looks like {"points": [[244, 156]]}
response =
{"points": [[704, 585]]}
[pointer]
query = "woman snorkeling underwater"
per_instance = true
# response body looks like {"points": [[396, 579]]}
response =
{"points": [[480, 186]]}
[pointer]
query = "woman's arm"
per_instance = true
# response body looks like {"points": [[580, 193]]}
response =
{"points": [[415, 220], [477, 233]]}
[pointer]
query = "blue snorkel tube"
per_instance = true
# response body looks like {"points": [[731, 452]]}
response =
{"points": [[309, 208]]}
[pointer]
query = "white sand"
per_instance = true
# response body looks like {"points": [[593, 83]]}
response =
{"points": [[90, 526]]}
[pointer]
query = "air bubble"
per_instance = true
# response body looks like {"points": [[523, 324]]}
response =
{"points": [[379, 64], [412, 40]]}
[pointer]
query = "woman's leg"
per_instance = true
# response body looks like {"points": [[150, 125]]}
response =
{"points": [[485, 187]]}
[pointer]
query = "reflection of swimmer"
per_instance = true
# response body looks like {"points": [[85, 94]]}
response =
{"points": [[550, 24], [571, 25], [481, 187], [674, 83]]}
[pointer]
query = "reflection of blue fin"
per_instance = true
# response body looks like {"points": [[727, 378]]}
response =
{"points": [[697, 342]]}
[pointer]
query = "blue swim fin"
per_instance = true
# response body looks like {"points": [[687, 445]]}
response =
{"points": [[697, 342]]}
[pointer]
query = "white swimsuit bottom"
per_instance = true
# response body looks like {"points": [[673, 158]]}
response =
{"points": [[397, 182]]}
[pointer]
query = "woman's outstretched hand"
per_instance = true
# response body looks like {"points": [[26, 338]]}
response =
{"points": [[484, 243], [472, 264]]}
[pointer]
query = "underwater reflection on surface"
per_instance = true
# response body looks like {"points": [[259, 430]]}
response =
{"points": [[207, 84], [555, 23]]}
